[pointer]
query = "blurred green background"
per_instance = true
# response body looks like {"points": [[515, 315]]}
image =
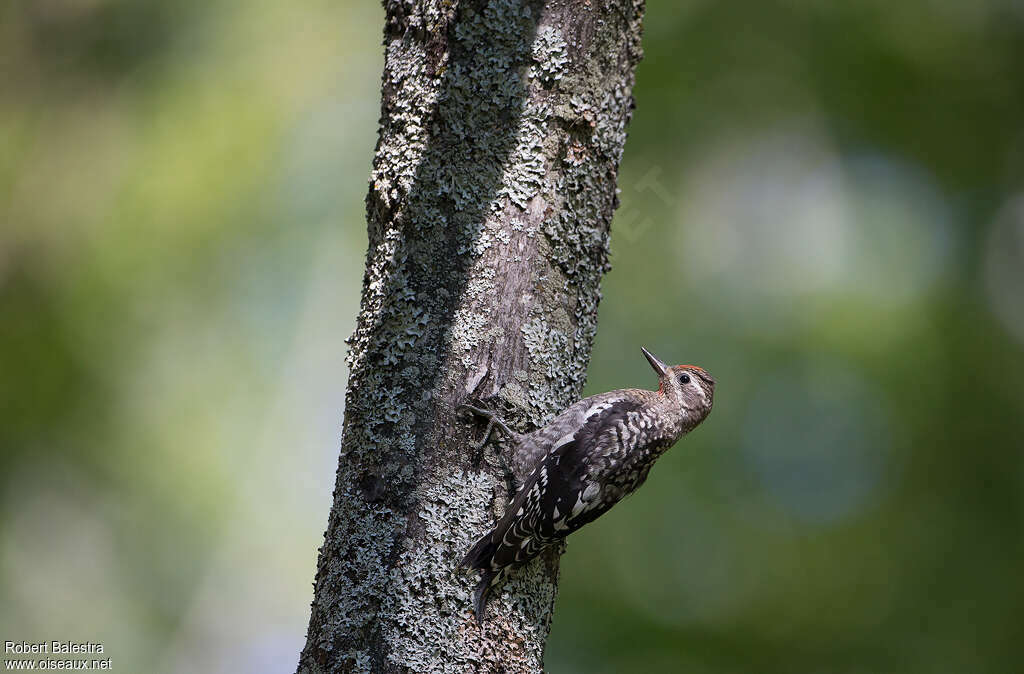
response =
{"points": [[822, 204]]}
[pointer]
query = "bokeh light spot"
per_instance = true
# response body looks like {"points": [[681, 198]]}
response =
{"points": [[1004, 266], [817, 440], [772, 224]]}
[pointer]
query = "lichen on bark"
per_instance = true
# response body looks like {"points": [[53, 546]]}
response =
{"points": [[491, 196]]}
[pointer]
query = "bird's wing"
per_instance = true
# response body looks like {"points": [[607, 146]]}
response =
{"points": [[559, 495]]}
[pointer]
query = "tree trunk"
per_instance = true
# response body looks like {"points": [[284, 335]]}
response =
{"points": [[491, 195]]}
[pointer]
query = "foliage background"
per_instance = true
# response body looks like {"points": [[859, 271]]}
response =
{"points": [[821, 204]]}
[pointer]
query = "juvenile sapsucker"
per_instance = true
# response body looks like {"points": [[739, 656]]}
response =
{"points": [[590, 457]]}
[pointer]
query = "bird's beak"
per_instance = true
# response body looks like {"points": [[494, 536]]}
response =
{"points": [[658, 366]]}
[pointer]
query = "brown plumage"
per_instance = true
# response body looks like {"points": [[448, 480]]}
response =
{"points": [[586, 460]]}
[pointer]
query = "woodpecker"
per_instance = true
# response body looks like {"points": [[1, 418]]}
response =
{"points": [[590, 457]]}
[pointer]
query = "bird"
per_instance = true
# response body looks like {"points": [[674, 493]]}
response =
{"points": [[587, 459]]}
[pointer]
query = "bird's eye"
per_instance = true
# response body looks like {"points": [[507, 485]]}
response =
{"points": [[684, 378]]}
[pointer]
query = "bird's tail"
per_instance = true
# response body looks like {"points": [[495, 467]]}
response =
{"points": [[480, 557], [488, 579]]}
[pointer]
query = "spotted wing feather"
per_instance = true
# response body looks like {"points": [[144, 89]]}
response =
{"points": [[561, 494]]}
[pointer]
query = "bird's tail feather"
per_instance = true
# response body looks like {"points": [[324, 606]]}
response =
{"points": [[479, 556], [488, 579]]}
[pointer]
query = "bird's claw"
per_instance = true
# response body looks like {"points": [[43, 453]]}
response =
{"points": [[492, 420]]}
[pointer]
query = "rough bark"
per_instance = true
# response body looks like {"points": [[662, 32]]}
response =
{"points": [[490, 201]]}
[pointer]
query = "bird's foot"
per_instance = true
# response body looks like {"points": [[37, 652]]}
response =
{"points": [[494, 420]]}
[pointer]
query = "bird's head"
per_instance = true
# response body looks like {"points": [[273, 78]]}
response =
{"points": [[689, 386]]}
